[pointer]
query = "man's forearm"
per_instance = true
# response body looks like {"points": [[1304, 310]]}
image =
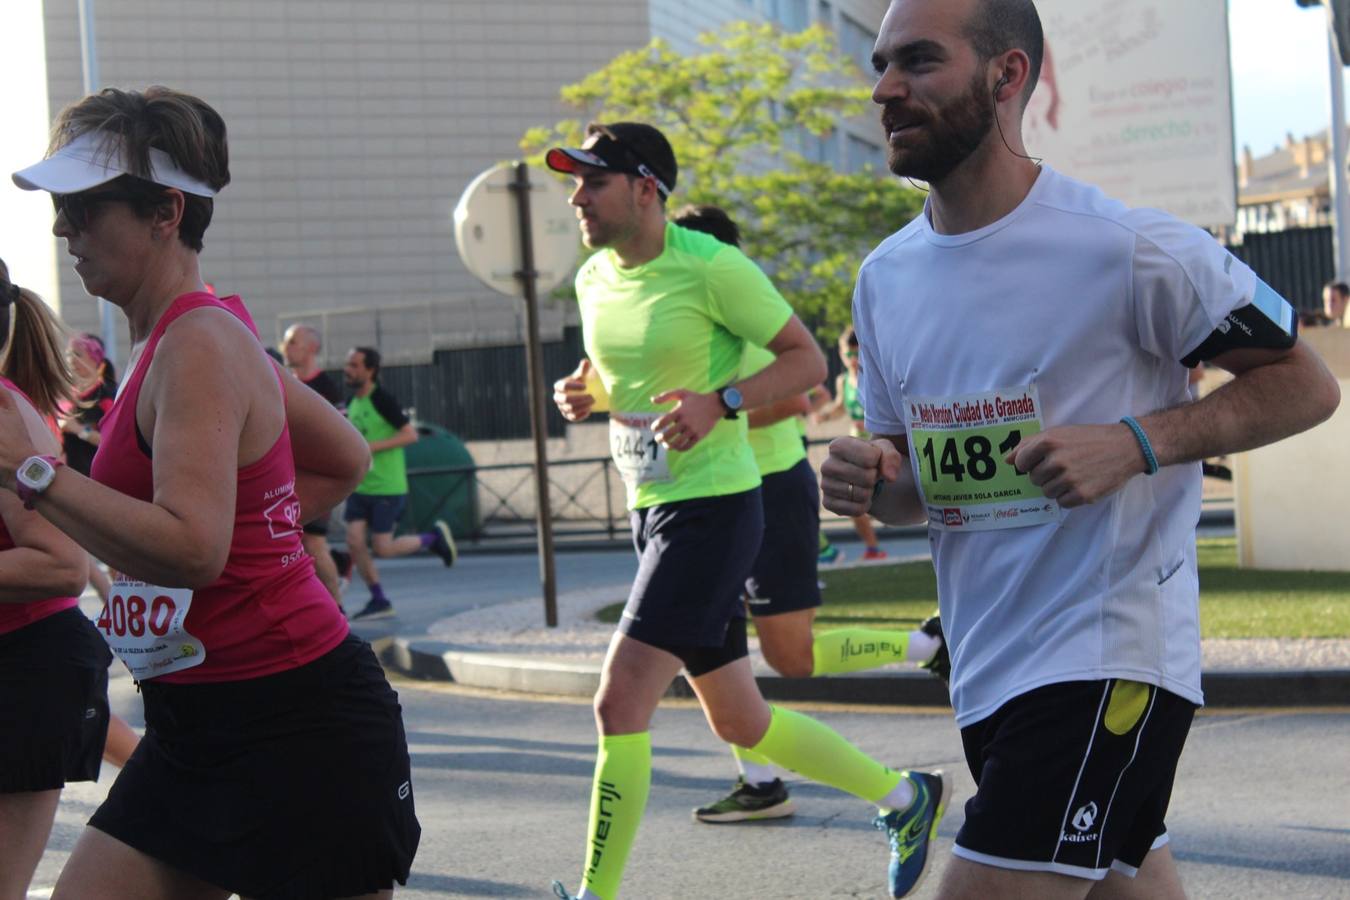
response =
{"points": [[1260, 406], [794, 371]]}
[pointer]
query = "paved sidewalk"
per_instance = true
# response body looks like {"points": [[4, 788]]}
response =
{"points": [[502, 642]]}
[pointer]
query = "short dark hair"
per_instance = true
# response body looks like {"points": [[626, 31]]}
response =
{"points": [[1339, 287], [185, 127], [371, 357], [997, 26], [711, 220]]}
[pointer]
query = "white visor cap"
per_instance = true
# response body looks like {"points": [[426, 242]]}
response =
{"points": [[97, 157]]}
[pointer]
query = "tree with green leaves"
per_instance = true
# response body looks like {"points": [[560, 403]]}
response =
{"points": [[739, 114]]}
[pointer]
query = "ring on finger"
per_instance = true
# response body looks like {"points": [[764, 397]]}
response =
{"points": [[850, 492]]}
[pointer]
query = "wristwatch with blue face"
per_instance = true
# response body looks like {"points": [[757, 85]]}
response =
{"points": [[731, 400]]}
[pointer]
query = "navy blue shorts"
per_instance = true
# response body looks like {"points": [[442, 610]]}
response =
{"points": [[1073, 777], [381, 511], [693, 559], [784, 576]]}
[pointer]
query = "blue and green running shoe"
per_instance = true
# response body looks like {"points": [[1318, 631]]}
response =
{"points": [[911, 831]]}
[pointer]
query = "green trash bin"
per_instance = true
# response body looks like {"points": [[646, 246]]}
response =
{"points": [[452, 496]]}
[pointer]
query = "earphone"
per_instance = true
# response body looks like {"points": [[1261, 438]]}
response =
{"points": [[1001, 82]]}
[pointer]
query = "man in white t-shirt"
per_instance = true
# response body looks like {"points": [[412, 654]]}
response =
{"points": [[1025, 345]]}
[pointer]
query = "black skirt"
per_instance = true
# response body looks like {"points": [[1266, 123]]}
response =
{"points": [[53, 703], [295, 785]]}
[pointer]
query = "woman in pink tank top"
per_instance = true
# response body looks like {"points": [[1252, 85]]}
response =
{"points": [[211, 458], [53, 664]]}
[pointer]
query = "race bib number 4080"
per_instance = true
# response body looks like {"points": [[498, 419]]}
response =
{"points": [[959, 444], [143, 624]]}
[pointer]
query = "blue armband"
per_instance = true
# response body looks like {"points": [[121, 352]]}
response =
{"points": [[1150, 460]]}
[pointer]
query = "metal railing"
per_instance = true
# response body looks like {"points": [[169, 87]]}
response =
{"points": [[586, 495]]}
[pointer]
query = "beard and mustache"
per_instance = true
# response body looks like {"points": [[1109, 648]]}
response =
{"points": [[943, 139]]}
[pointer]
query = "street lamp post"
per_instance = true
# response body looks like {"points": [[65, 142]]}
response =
{"points": [[89, 55]]}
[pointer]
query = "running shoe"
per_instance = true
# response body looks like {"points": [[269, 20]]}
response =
{"points": [[829, 555], [444, 546], [375, 609], [911, 831], [941, 663], [747, 803], [872, 554]]}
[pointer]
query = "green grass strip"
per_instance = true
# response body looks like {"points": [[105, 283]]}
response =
{"points": [[1234, 602]]}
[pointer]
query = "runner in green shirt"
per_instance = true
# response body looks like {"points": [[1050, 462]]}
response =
{"points": [[666, 314], [846, 401], [374, 510]]}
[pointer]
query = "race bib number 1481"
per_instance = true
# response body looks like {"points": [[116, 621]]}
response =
{"points": [[959, 444]]}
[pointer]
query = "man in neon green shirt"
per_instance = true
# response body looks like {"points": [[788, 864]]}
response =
{"points": [[374, 510], [782, 591], [666, 314]]}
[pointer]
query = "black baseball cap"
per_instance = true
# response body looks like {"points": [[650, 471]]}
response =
{"points": [[632, 148]]}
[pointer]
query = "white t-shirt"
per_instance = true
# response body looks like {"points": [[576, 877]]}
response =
{"points": [[1072, 309]]}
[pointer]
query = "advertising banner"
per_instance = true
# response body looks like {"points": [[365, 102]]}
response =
{"points": [[1135, 97]]}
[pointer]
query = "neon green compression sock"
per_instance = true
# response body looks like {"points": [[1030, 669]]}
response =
{"points": [[843, 650], [816, 750], [623, 776]]}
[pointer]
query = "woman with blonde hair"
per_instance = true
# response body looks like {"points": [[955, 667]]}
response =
{"points": [[274, 762], [53, 663]]}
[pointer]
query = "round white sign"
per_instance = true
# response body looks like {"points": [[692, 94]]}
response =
{"points": [[487, 230]]}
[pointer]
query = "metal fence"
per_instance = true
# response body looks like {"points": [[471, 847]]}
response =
{"points": [[1296, 262], [587, 498]]}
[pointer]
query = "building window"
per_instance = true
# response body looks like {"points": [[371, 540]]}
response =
{"points": [[857, 41], [790, 14]]}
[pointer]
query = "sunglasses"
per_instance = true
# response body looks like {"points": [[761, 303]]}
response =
{"points": [[78, 208], [850, 354]]}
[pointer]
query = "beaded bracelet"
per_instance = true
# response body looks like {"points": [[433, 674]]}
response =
{"points": [[1150, 460]]}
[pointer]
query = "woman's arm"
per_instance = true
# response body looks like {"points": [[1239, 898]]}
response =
{"points": [[197, 397], [43, 563]]}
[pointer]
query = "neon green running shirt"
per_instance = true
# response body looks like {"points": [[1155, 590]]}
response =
{"points": [[778, 447], [678, 321]]}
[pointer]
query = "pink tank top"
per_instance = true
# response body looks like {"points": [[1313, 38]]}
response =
{"points": [[14, 616], [268, 611]]}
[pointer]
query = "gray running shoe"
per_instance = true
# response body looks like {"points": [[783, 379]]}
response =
{"points": [[747, 803], [444, 547], [375, 609]]}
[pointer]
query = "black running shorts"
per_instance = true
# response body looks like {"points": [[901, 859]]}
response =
{"points": [[53, 703], [1073, 778], [693, 559], [784, 578], [294, 786]]}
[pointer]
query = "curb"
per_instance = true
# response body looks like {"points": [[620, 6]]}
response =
{"points": [[428, 660]]}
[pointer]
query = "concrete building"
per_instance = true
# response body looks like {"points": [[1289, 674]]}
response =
{"points": [[1290, 187], [355, 126]]}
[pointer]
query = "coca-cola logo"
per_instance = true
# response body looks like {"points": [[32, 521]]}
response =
{"points": [[952, 517]]}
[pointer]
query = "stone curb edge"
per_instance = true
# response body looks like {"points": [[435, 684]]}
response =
{"points": [[429, 660]]}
